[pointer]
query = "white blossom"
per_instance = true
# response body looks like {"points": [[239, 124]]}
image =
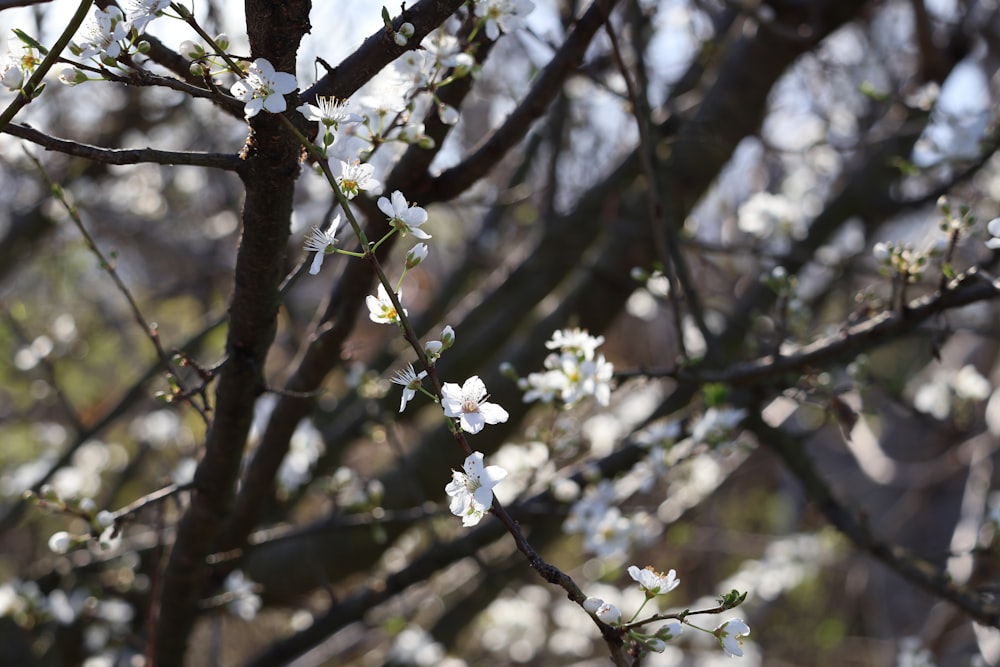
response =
{"points": [[141, 12], [468, 404], [380, 308], [12, 72], [322, 242], [102, 32], [471, 491], [60, 542], [329, 112], [355, 177], [993, 227], [502, 15], [609, 613], [245, 602], [402, 216], [730, 635], [263, 88], [652, 582], [410, 381]]}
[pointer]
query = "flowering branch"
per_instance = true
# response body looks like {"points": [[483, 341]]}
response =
{"points": [[33, 86]]}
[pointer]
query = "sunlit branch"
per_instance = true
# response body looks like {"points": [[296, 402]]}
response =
{"points": [[228, 162]]}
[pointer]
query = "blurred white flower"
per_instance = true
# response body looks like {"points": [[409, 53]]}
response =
{"points": [[969, 384], [993, 227], [772, 218], [502, 15], [573, 372], [60, 542], [244, 602], [717, 425]]}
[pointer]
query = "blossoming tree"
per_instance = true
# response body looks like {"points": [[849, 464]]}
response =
{"points": [[700, 286]]}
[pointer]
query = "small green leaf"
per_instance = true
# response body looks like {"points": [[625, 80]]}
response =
{"points": [[715, 394], [30, 41]]}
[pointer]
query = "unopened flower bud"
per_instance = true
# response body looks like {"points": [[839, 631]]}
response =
{"points": [[400, 39], [433, 350], [656, 645], [407, 30], [417, 254], [464, 63], [60, 542], [881, 251], [671, 630], [609, 613], [191, 49], [222, 40], [144, 47], [448, 336], [197, 69], [448, 114], [72, 76]]}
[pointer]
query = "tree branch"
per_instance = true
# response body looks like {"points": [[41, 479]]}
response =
{"points": [[223, 161]]}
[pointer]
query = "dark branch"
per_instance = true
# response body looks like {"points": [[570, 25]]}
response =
{"points": [[228, 162]]}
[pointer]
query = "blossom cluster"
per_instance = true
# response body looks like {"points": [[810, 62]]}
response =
{"points": [[574, 370], [607, 532], [949, 389]]}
